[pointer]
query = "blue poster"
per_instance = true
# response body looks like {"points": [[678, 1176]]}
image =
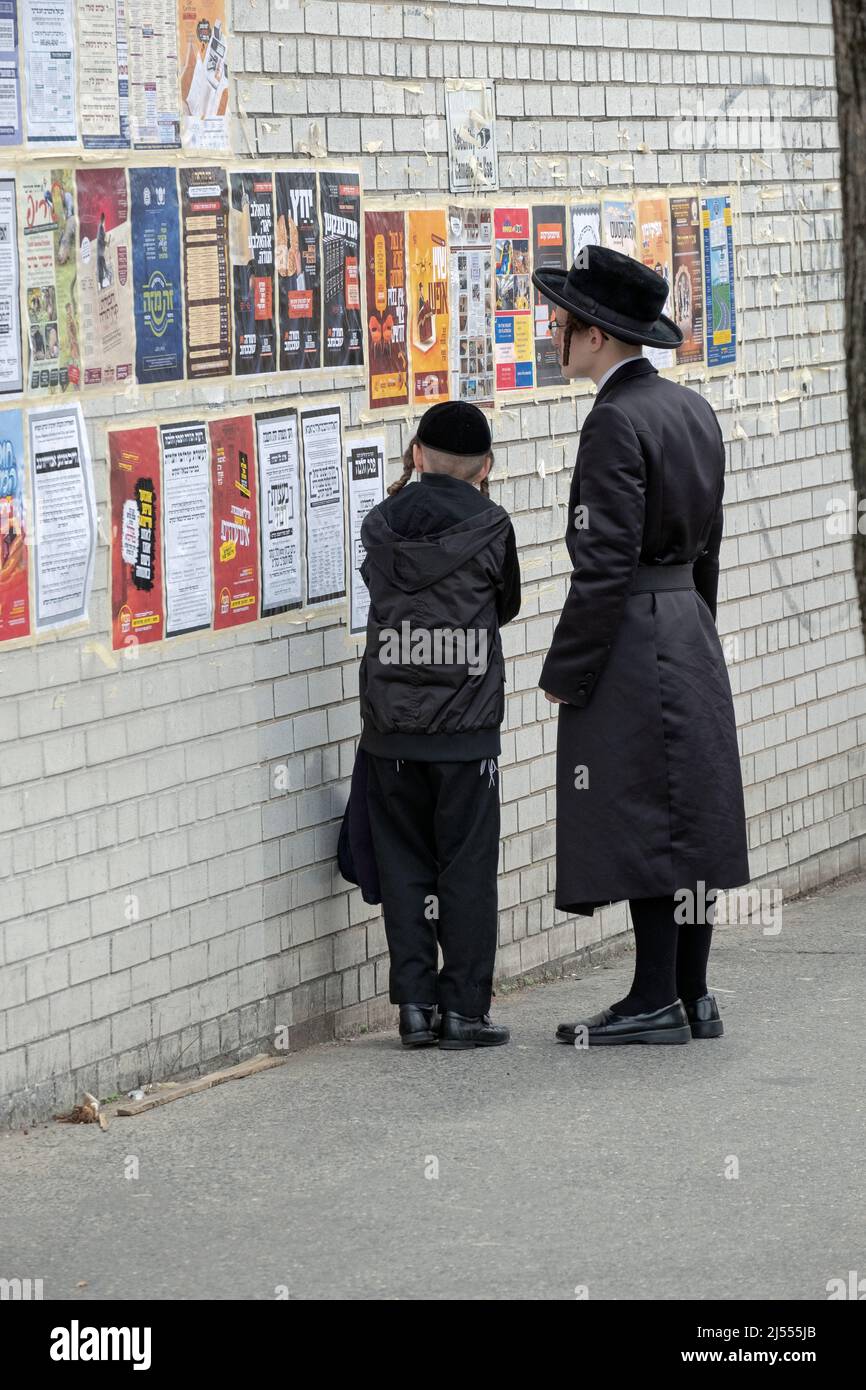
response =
{"points": [[156, 275], [721, 318], [10, 84]]}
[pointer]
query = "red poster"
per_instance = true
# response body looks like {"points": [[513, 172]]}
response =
{"points": [[136, 537], [235, 522], [385, 242]]}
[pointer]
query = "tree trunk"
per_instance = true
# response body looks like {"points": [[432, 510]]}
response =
{"points": [[849, 23]]}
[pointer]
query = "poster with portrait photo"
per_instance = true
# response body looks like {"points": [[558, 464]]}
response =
{"points": [[470, 262], [687, 293], [105, 296]]}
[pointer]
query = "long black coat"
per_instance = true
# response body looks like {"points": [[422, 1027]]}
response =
{"points": [[649, 789]]}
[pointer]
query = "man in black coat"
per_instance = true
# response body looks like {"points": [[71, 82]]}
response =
{"points": [[649, 790]]}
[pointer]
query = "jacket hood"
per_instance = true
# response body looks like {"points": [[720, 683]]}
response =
{"points": [[414, 563]]}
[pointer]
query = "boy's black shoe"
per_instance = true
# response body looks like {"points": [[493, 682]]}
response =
{"points": [[419, 1025], [459, 1032], [704, 1018], [667, 1025]]}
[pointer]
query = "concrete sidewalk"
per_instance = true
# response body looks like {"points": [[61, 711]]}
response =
{"points": [[556, 1168]]}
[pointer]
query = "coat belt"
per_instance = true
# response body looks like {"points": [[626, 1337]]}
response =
{"points": [[649, 579]]}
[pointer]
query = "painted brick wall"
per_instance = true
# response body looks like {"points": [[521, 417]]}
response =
{"points": [[168, 824]]}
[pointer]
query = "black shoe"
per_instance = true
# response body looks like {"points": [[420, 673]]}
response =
{"points": [[667, 1025], [703, 1016], [419, 1025], [459, 1032]]}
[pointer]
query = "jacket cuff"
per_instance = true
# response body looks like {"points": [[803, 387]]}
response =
{"points": [[578, 692]]}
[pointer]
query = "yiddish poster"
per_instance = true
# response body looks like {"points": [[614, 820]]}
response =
{"points": [[298, 266], [156, 282], [49, 53], [654, 250], [385, 249], [585, 227], [325, 543], [280, 510], [619, 228], [513, 329], [105, 277], [103, 74], [721, 317], [471, 120], [204, 74], [10, 76], [154, 94], [11, 363], [341, 269], [687, 295], [428, 305], [54, 363], [136, 537], [251, 246], [14, 550], [204, 208], [470, 260], [550, 251], [234, 537], [186, 528], [365, 466], [64, 512]]}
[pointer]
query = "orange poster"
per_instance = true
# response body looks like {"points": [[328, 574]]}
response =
{"points": [[653, 247], [428, 306], [205, 61]]}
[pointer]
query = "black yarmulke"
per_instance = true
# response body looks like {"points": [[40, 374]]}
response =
{"points": [[455, 427]]}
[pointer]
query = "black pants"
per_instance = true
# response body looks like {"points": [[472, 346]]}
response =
{"points": [[435, 829]]}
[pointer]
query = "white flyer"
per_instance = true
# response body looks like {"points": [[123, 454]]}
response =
{"points": [[11, 367], [49, 50], [186, 528], [279, 510], [365, 463], [323, 505], [471, 120], [64, 515]]}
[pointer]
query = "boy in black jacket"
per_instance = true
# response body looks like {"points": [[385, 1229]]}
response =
{"points": [[441, 567]]}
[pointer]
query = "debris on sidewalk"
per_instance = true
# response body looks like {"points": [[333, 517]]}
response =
{"points": [[261, 1062], [89, 1113]]}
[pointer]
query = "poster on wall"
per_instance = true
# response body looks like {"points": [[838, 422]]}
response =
{"points": [[471, 120], [204, 74], [156, 289], [154, 95], [49, 53], [280, 510], [619, 230], [234, 537], [365, 467], [186, 528], [103, 74], [341, 276], [428, 305], [64, 513], [325, 543], [470, 260], [514, 351], [585, 227], [385, 250], [14, 549], [10, 80], [11, 362], [105, 277], [136, 537], [654, 251], [721, 318], [204, 208], [687, 295], [298, 270], [251, 246], [54, 361], [550, 250]]}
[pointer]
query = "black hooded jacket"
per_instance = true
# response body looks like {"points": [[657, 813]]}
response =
{"points": [[441, 567]]}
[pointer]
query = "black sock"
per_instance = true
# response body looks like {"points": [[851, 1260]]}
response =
{"points": [[655, 971], [693, 951]]}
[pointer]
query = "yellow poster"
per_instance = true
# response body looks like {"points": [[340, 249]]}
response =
{"points": [[653, 248], [428, 305]]}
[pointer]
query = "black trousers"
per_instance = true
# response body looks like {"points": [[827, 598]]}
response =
{"points": [[435, 829]]}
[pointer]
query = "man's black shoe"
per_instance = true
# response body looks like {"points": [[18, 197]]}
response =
{"points": [[703, 1016], [667, 1025], [419, 1025], [459, 1032]]}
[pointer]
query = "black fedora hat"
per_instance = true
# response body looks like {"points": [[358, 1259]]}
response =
{"points": [[616, 293]]}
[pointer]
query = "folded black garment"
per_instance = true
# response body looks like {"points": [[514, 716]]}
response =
{"points": [[355, 857]]}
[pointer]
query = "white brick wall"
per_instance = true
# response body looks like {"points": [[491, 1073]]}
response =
{"points": [[168, 826]]}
